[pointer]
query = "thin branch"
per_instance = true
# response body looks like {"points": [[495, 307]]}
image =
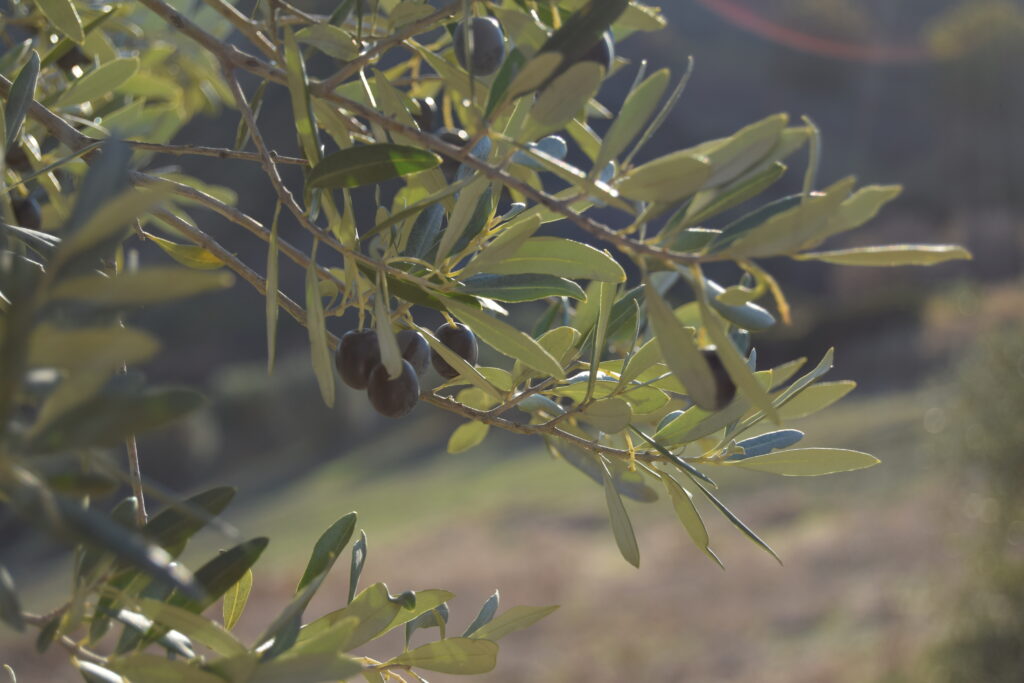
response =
{"points": [[245, 26], [224, 51], [237, 217], [135, 474], [218, 152], [352, 68]]}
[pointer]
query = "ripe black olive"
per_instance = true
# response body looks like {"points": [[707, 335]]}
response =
{"points": [[414, 348], [26, 212], [357, 356], [459, 339], [72, 58], [17, 159], [488, 49], [393, 397], [603, 52], [725, 390], [429, 118], [459, 138]]}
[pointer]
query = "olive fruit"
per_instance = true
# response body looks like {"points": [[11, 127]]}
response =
{"points": [[17, 160], [26, 212], [725, 389], [357, 356], [414, 348], [393, 397], [429, 116], [459, 339], [72, 58], [602, 52], [459, 138], [488, 49]]}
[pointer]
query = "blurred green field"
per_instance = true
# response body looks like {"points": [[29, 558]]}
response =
{"points": [[869, 556]]}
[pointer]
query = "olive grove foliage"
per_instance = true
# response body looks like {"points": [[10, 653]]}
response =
{"points": [[641, 390]]}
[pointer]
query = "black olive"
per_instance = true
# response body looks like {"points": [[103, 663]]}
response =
{"points": [[488, 49], [428, 118], [393, 397], [414, 348], [26, 212], [725, 389], [602, 52], [459, 339], [72, 58], [357, 356], [457, 137], [17, 159]]}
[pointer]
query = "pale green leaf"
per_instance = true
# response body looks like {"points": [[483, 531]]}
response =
{"points": [[680, 351], [686, 511], [610, 415], [189, 255], [564, 98], [64, 17], [198, 629], [323, 363], [465, 656], [636, 110], [99, 82], [146, 286], [467, 436], [235, 600], [815, 398], [892, 255], [153, 668], [667, 179], [808, 462], [561, 257], [622, 528], [330, 40], [511, 620], [298, 87]]}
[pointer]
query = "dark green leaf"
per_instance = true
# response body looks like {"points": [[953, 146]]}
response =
{"points": [[20, 99], [110, 416], [68, 519], [370, 164], [484, 616], [356, 568], [221, 573], [425, 232], [10, 607], [766, 443], [583, 29], [437, 617], [327, 548], [174, 525]]}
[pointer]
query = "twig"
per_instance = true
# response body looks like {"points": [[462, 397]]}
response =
{"points": [[135, 475], [246, 26], [218, 152]]}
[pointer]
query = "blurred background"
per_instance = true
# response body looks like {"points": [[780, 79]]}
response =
{"points": [[909, 571]]}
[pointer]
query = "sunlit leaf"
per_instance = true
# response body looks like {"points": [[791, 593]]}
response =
{"points": [[235, 600], [64, 17], [808, 462], [560, 257], [99, 82], [452, 655], [892, 255], [512, 620], [622, 528]]}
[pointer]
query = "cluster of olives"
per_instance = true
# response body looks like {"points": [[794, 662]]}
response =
{"points": [[359, 364]]}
